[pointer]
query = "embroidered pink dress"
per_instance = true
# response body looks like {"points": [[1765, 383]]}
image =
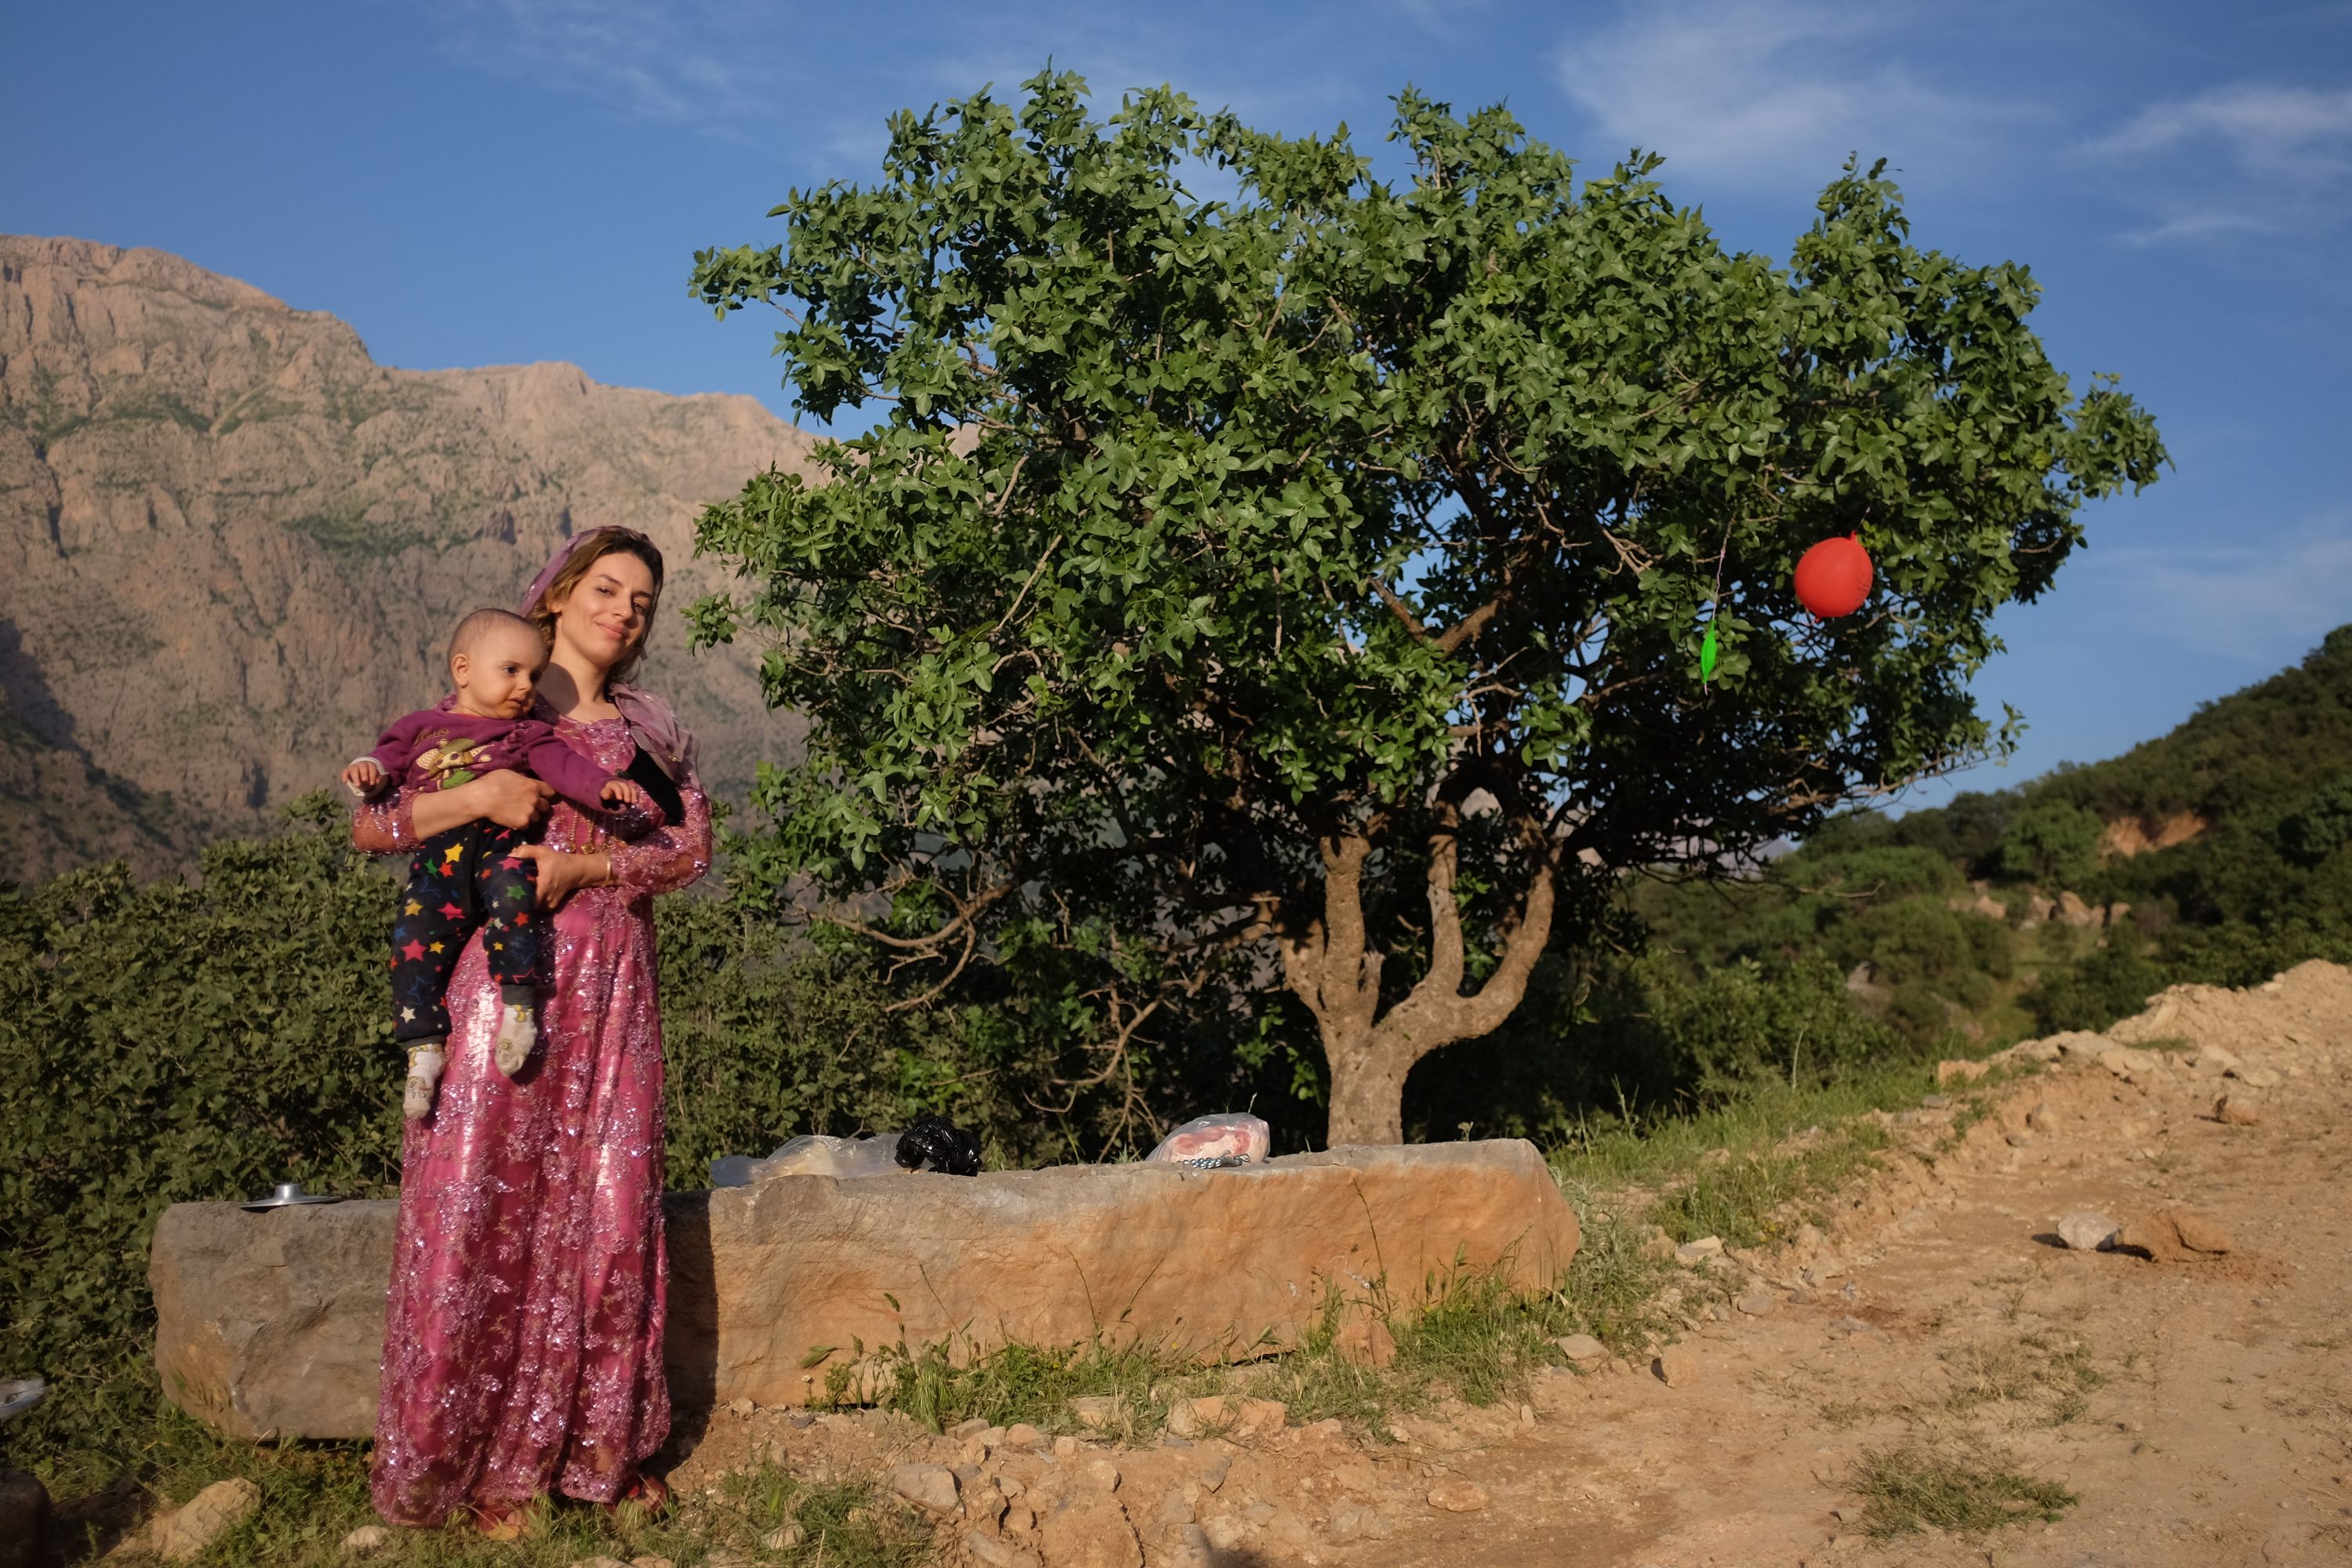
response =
{"points": [[522, 1349]]}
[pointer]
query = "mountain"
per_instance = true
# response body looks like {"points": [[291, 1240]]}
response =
{"points": [[233, 546]]}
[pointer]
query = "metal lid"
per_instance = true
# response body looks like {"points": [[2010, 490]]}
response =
{"points": [[287, 1195]]}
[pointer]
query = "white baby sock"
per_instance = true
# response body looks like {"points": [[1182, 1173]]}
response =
{"points": [[517, 1033], [424, 1075]]}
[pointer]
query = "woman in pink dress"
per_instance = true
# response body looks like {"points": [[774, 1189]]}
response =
{"points": [[522, 1350]]}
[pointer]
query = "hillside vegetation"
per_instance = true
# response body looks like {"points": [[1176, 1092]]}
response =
{"points": [[2210, 854]]}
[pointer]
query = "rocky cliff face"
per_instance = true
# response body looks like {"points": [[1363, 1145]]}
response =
{"points": [[231, 545]]}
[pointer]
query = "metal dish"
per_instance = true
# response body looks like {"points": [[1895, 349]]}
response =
{"points": [[19, 1396], [287, 1195]]}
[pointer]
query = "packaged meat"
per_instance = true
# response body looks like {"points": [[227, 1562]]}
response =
{"points": [[1233, 1138]]}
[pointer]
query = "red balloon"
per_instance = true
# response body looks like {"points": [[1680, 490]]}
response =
{"points": [[1834, 578]]}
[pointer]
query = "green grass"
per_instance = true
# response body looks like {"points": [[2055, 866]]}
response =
{"points": [[314, 1494], [1750, 1169], [1912, 1488]]}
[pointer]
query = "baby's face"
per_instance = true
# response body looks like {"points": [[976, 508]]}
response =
{"points": [[496, 679]]}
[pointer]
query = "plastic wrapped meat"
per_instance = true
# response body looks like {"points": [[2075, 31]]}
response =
{"points": [[1236, 1137]]}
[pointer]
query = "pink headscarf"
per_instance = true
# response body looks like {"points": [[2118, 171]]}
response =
{"points": [[652, 723]]}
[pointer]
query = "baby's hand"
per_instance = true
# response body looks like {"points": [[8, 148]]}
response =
{"points": [[364, 778], [621, 792]]}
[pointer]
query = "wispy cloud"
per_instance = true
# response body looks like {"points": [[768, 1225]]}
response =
{"points": [[2260, 600], [2249, 158], [681, 61], [1777, 92]]}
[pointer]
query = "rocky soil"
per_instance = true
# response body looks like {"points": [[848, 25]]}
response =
{"points": [[234, 545], [2194, 1397]]}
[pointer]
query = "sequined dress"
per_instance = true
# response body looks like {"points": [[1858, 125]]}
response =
{"points": [[524, 1337]]}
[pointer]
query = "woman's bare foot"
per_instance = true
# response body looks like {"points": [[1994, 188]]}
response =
{"points": [[645, 1497], [507, 1520], [424, 1076], [517, 1034]]}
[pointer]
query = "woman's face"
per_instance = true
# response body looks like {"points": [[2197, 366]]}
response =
{"points": [[607, 612]]}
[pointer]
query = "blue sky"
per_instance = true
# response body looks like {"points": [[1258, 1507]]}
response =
{"points": [[512, 180]]}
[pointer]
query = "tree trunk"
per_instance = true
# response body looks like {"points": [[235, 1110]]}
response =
{"points": [[1333, 967]]}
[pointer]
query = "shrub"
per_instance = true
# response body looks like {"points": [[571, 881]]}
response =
{"points": [[2054, 844]]}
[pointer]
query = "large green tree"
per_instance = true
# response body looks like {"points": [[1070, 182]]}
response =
{"points": [[1304, 589]]}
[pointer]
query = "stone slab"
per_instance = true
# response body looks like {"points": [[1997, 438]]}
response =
{"points": [[271, 1324]]}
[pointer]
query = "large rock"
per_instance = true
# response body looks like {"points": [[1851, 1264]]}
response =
{"points": [[272, 1323]]}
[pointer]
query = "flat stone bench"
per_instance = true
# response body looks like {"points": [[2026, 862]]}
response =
{"points": [[272, 1325]]}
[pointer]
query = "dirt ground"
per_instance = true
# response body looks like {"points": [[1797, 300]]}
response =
{"points": [[2200, 1410]]}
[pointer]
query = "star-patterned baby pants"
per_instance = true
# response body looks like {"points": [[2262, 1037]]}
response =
{"points": [[467, 877]]}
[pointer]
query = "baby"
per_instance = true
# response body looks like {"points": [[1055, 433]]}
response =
{"points": [[470, 876]]}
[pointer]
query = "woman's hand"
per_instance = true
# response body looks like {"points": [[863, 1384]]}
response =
{"points": [[506, 797], [562, 875]]}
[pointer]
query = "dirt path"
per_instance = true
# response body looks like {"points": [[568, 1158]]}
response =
{"points": [[2200, 1410]]}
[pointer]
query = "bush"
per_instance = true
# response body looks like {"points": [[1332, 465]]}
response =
{"points": [[2054, 843], [183, 1042]]}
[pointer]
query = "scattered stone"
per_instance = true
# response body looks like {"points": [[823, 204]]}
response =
{"points": [[1458, 1497], [599, 1560], [1934, 1101], [1949, 1072], [1020, 1435], [1676, 1367], [366, 1541], [1175, 1508], [995, 1551], [212, 1513], [2175, 1234], [1065, 1447], [2020, 1140], [929, 1486], [2040, 1119], [1691, 1254], [2129, 1064], [1658, 1245], [2213, 1062], [2031, 1051], [1213, 1466], [1104, 1474], [651, 1562], [2081, 1045], [2257, 1077], [785, 1537], [2239, 1108], [742, 1409], [1756, 1303], [1236, 1418], [1095, 1412], [1091, 1532], [1583, 1351], [2086, 1231], [963, 1430], [1527, 1415]]}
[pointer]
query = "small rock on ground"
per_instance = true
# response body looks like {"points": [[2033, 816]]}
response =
{"points": [[783, 1537], [2173, 1234], [1458, 1497], [207, 1516], [366, 1540], [995, 1551], [1756, 1303], [1091, 1532], [2239, 1108], [929, 1486], [1676, 1367], [1583, 1350], [1095, 1412], [2086, 1230]]}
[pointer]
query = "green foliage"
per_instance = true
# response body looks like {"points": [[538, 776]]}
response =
{"points": [[169, 1043], [204, 1041], [2320, 827], [1210, 555], [2055, 844]]}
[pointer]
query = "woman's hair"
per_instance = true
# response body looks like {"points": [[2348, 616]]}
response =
{"points": [[594, 546]]}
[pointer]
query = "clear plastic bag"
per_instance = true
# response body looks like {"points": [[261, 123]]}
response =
{"points": [[1232, 1138], [812, 1154]]}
